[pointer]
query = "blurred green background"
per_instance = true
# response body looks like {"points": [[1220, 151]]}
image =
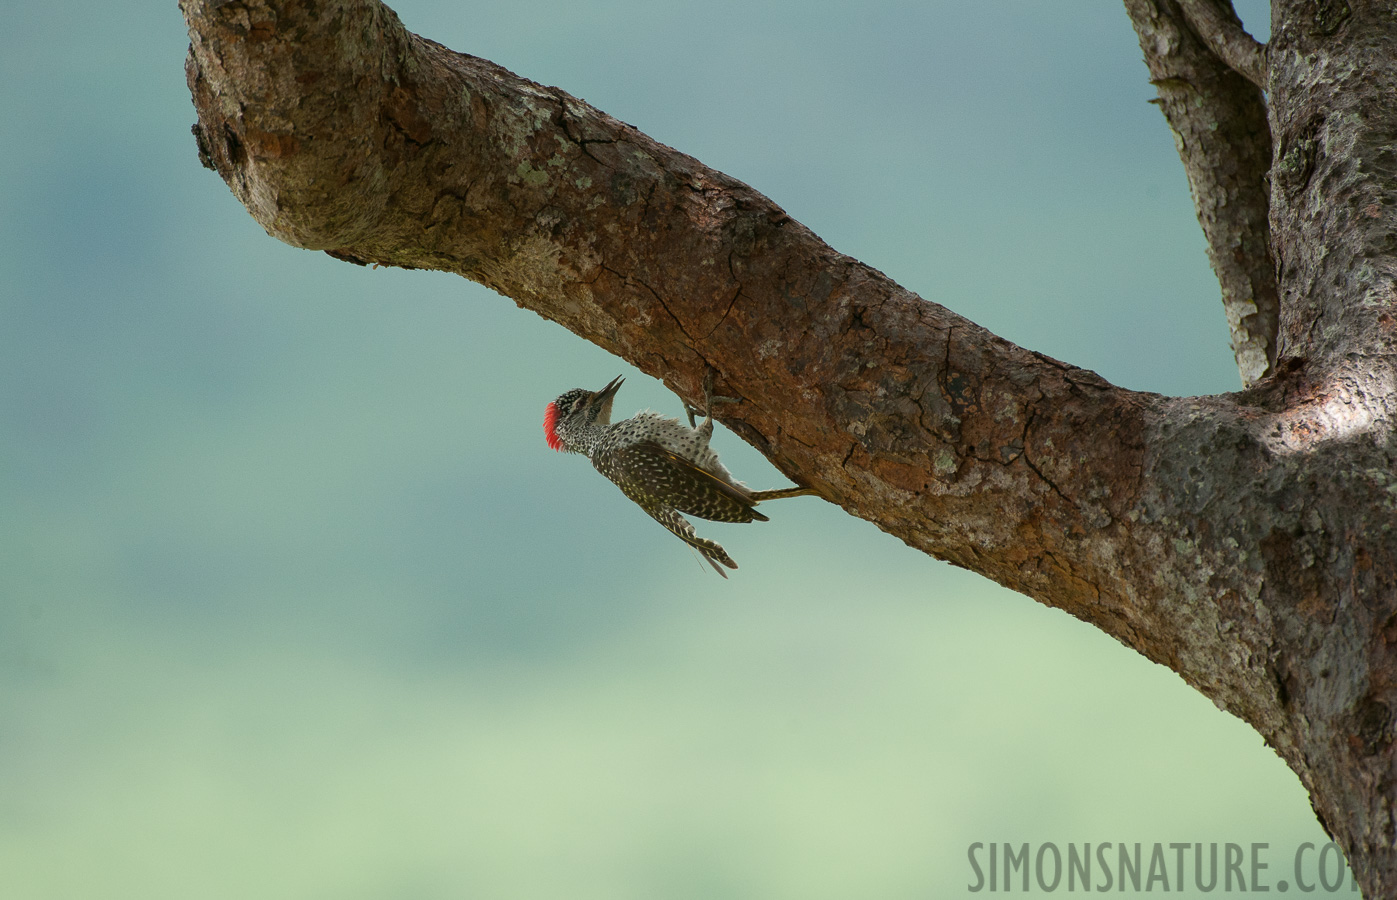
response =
{"points": [[295, 602]]}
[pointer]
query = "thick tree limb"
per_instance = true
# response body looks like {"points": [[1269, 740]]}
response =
{"points": [[1334, 202], [1219, 124], [1216, 22], [1245, 541]]}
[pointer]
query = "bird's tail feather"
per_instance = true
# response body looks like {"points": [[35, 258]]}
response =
{"points": [[783, 493]]}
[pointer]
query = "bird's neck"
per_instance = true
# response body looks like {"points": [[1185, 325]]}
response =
{"points": [[586, 438]]}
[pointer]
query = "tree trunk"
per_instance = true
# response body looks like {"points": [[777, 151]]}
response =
{"points": [[1246, 540]]}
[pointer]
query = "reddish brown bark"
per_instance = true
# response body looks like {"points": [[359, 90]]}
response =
{"points": [[1246, 541]]}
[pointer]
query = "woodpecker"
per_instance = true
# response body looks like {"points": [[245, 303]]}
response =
{"points": [[662, 464]]}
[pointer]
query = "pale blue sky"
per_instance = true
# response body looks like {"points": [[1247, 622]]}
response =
{"points": [[295, 603]]}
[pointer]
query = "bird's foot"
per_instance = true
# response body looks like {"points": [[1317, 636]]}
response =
{"points": [[709, 398]]}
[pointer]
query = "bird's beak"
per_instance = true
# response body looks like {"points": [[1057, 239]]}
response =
{"points": [[610, 390], [603, 398]]}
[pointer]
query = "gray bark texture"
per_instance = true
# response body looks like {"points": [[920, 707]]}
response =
{"points": [[1244, 540], [1218, 117]]}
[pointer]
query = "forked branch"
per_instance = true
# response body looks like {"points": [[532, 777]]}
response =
{"points": [[1216, 22], [1244, 541], [1219, 123]]}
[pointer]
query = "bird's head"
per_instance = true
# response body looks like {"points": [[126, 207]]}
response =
{"points": [[577, 409]]}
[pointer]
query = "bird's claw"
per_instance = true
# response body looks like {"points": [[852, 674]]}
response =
{"points": [[708, 399]]}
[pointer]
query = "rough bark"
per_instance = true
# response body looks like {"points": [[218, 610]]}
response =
{"points": [[1246, 540], [1216, 22], [1219, 122]]}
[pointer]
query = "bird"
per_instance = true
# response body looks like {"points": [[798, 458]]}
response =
{"points": [[663, 465]]}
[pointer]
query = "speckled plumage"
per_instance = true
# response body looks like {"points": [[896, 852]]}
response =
{"points": [[663, 465]]}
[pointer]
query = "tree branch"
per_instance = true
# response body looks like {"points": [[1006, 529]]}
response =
{"points": [[1245, 541], [341, 131], [1216, 22], [1219, 124]]}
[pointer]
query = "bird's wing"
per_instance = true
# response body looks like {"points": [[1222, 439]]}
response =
{"points": [[679, 526], [676, 482]]}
